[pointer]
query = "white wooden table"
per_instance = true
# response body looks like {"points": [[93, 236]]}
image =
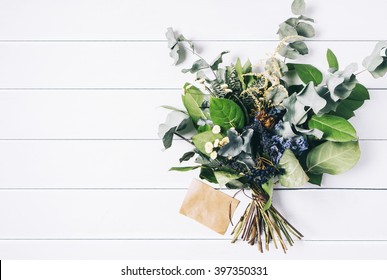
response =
{"points": [[82, 174]]}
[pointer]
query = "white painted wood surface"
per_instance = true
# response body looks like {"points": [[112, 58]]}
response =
{"points": [[82, 174]]}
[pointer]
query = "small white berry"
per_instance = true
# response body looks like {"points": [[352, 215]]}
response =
{"points": [[223, 86], [216, 129], [213, 155], [208, 147], [227, 90], [216, 143], [224, 141]]}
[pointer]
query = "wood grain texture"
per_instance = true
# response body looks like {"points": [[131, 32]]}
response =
{"points": [[143, 64], [153, 214], [80, 86], [186, 249], [119, 114], [138, 164], [147, 20]]}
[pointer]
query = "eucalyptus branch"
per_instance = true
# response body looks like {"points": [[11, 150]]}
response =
{"points": [[360, 72], [199, 56], [182, 137]]}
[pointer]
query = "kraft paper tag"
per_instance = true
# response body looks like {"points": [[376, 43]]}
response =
{"points": [[208, 206]]}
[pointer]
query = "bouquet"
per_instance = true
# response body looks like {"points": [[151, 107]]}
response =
{"points": [[283, 124]]}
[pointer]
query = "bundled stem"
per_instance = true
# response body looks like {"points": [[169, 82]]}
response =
{"points": [[257, 224]]}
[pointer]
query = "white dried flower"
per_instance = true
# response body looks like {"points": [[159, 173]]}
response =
{"points": [[213, 155], [208, 147], [224, 141], [216, 143], [223, 86], [216, 129], [227, 90]]}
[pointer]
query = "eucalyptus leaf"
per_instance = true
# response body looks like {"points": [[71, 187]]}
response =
{"points": [[295, 110], [341, 83], [286, 30], [298, 7], [333, 157], [285, 130], [226, 113], [175, 120], [176, 53], [332, 60], [184, 168], [295, 175], [376, 63], [309, 97], [201, 139], [302, 17], [335, 128], [311, 132], [300, 47], [198, 65], [305, 30], [237, 143], [175, 44], [331, 105], [215, 64], [276, 94], [308, 73]]}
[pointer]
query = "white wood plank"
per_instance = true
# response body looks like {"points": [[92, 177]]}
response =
{"points": [[134, 114], [144, 20], [185, 249], [138, 164], [140, 64], [128, 214]]}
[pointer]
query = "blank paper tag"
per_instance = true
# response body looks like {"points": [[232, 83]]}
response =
{"points": [[208, 206]]}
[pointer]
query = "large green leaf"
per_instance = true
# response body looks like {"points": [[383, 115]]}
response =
{"points": [[295, 175], [332, 60], [201, 139], [226, 113], [223, 177], [333, 157], [193, 99], [308, 73], [335, 128]]}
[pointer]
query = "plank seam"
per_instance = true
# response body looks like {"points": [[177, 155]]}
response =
{"points": [[180, 189], [165, 41], [178, 239]]}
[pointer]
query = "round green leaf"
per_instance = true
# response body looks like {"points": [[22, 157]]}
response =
{"points": [[333, 157], [335, 128], [201, 139], [226, 113], [295, 175]]}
